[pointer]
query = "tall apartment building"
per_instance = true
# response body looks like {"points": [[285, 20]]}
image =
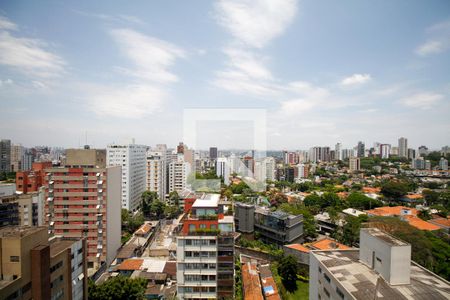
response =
{"points": [[338, 151], [274, 227], [403, 147], [213, 153], [133, 160], [354, 164], [5, 155], [385, 151], [205, 251], [32, 267], [443, 164], [302, 171], [317, 154], [381, 269], [83, 201], [156, 173], [32, 180], [360, 148], [9, 207], [16, 157], [178, 172], [223, 169], [264, 169]]}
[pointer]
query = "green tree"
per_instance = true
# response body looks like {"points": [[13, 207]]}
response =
{"points": [[148, 197], [118, 288], [349, 233], [312, 200], [288, 269], [174, 198], [361, 201], [395, 189]]}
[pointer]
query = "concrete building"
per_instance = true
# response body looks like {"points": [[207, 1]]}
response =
{"points": [[9, 207], [32, 267], [205, 251], [411, 153], [338, 152], [360, 149], [156, 173], [302, 171], [83, 201], [319, 154], [213, 153], [418, 163], [30, 181], [178, 172], [403, 147], [380, 269], [354, 164], [443, 164], [5, 155], [385, 151], [27, 160], [16, 157], [274, 227], [223, 169], [133, 160]]}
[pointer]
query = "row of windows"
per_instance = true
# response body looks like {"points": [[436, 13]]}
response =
{"points": [[199, 277], [195, 266], [200, 254], [199, 242], [199, 289], [56, 266], [327, 278]]}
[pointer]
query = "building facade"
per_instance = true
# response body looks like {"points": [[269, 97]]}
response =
{"points": [[133, 160], [403, 147], [5, 155], [32, 267], [83, 201], [205, 252], [156, 173]]}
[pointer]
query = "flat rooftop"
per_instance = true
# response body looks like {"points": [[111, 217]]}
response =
{"points": [[208, 200], [387, 238], [59, 245], [361, 281], [19, 231]]}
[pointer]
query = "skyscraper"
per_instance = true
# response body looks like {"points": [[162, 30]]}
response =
{"points": [[360, 149], [16, 157], [403, 147], [385, 150], [338, 151], [213, 153], [133, 160], [178, 172], [223, 169], [5, 156], [354, 163]]}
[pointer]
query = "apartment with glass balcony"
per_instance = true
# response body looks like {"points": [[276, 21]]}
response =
{"points": [[205, 251], [83, 199]]}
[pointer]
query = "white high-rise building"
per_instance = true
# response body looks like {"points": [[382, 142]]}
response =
{"points": [[443, 164], [385, 150], [133, 160], [403, 147], [16, 157], [178, 173], [270, 168], [354, 164], [223, 169], [156, 173], [338, 151]]}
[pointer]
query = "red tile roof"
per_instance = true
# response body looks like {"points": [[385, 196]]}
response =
{"points": [[131, 264], [250, 282], [420, 224], [298, 247], [328, 244], [387, 211]]}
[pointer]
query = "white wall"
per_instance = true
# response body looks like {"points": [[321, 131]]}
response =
{"points": [[113, 212]]}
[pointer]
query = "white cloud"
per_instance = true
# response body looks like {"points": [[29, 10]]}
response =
{"points": [[438, 40], [431, 47], [356, 79], [6, 24], [256, 22], [297, 106], [29, 56], [423, 100], [131, 101], [151, 56], [111, 18]]}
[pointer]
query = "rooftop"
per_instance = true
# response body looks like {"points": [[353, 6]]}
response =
{"points": [[420, 224], [59, 244], [393, 241], [19, 231], [328, 244], [131, 264], [362, 282], [387, 211], [250, 282], [298, 247], [208, 200]]}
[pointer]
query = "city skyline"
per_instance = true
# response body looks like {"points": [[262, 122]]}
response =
{"points": [[118, 72]]}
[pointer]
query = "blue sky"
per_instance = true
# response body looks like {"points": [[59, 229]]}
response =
{"points": [[326, 71]]}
